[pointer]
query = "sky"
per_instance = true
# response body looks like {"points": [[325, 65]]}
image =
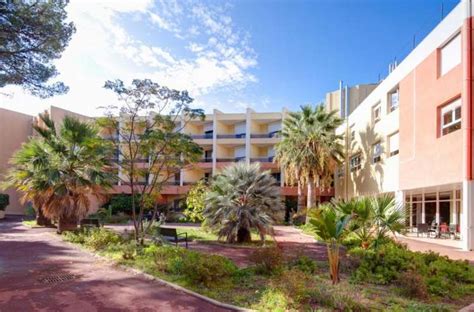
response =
{"points": [[230, 55]]}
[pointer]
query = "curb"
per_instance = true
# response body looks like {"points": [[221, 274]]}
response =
{"points": [[156, 279]]}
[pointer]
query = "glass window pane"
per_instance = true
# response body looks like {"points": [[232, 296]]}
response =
{"points": [[447, 118], [457, 113]]}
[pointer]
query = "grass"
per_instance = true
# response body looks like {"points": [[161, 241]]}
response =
{"points": [[31, 224], [289, 288], [206, 236]]}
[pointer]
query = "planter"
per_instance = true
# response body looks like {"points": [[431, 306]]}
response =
{"points": [[2, 214]]}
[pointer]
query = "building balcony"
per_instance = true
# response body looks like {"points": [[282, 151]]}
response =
{"points": [[202, 136], [234, 159], [205, 160], [274, 134], [262, 159], [231, 136]]}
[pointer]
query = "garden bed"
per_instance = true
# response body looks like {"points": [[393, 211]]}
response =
{"points": [[278, 283]]}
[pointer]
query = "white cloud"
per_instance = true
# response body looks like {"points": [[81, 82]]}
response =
{"points": [[209, 54]]}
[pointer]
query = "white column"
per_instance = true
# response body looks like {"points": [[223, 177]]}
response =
{"points": [[452, 208], [248, 130], [410, 205], [437, 208], [467, 215], [214, 141], [423, 215]]}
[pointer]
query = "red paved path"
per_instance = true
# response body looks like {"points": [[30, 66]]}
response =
{"points": [[28, 255]]}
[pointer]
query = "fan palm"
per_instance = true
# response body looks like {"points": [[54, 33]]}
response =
{"points": [[310, 150], [60, 171], [330, 226], [242, 198]]}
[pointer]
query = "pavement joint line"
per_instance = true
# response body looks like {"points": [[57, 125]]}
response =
{"points": [[154, 278]]}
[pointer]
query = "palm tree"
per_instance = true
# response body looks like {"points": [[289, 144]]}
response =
{"points": [[372, 218], [60, 171], [242, 198], [330, 226], [310, 150]]}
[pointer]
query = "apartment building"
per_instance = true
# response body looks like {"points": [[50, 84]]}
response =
{"points": [[412, 136], [225, 138]]}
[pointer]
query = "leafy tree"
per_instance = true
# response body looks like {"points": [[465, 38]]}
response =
{"points": [[195, 201], [242, 198], [309, 149], [59, 171], [331, 226], [32, 35], [149, 146]]}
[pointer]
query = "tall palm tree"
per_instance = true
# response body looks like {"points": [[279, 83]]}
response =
{"points": [[60, 171], [310, 149], [330, 226], [242, 198]]}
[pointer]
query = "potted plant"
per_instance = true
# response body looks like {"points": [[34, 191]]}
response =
{"points": [[4, 202]]}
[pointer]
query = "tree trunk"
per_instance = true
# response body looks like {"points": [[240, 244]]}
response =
{"points": [[310, 200], [41, 219], [300, 204], [67, 224], [243, 236]]}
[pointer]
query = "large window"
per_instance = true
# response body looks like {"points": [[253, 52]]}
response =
{"points": [[376, 152], [450, 55], [450, 117], [393, 144], [393, 99], [355, 162]]}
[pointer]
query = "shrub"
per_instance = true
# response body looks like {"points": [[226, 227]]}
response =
{"points": [[267, 260], [273, 300], [294, 284], [412, 285], [100, 238], [4, 201], [304, 264], [195, 202], [394, 263], [203, 268]]}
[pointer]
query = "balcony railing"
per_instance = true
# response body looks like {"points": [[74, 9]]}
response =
{"points": [[231, 136], [262, 159], [235, 159], [201, 136], [274, 134], [171, 183]]}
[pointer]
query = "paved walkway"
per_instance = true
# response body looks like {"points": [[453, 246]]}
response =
{"points": [[40, 272], [449, 251]]}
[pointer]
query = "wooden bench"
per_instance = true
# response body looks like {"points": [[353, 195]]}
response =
{"points": [[90, 223], [171, 235]]}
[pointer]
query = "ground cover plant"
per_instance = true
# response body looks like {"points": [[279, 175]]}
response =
{"points": [[279, 281]]}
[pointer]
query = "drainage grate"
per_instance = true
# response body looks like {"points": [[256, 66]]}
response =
{"points": [[57, 278]]}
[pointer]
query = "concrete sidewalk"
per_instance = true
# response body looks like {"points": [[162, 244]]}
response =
{"points": [[40, 272]]}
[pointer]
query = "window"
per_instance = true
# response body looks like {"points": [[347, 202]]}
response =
{"points": [[393, 100], [376, 152], [355, 162], [451, 117], [376, 113], [393, 144], [450, 55]]}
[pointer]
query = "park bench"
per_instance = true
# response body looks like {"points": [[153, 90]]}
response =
{"points": [[171, 235], [90, 223]]}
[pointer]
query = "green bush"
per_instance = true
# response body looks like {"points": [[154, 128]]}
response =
{"points": [[96, 238], [199, 268], [304, 264], [273, 300], [412, 285], [268, 260], [392, 263], [294, 284], [4, 201]]}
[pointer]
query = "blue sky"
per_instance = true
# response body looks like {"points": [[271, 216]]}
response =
{"points": [[231, 55]]}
